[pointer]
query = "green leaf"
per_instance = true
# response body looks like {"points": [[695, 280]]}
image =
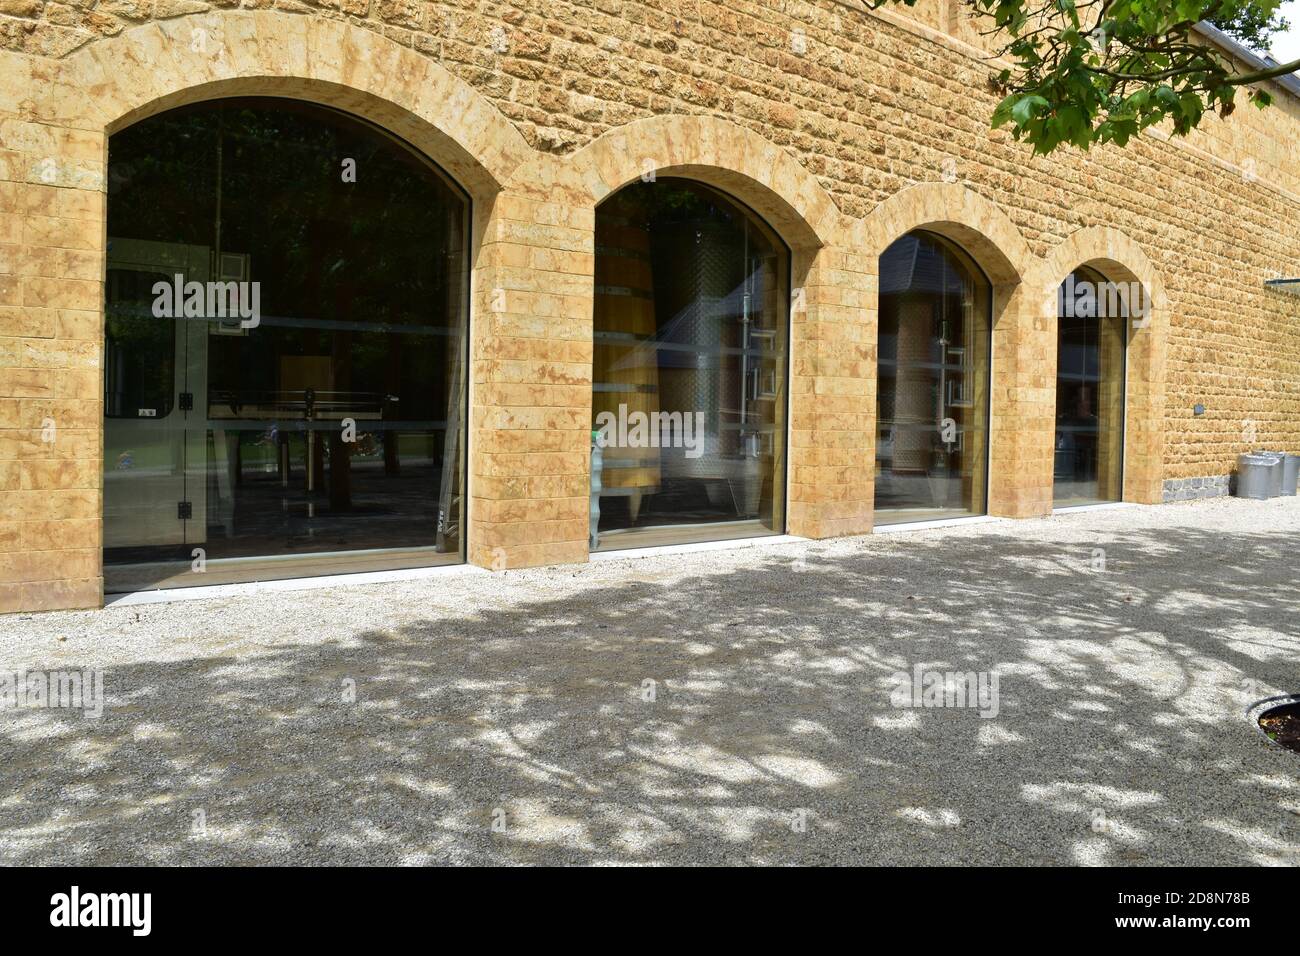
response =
{"points": [[1069, 85], [1025, 108]]}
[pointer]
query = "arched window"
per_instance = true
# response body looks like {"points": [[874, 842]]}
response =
{"points": [[689, 378], [1092, 324], [933, 398], [284, 380]]}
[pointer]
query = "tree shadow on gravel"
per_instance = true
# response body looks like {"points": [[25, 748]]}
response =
{"points": [[528, 734]]}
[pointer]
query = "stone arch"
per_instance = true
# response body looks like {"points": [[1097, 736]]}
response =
{"points": [[1111, 253], [718, 153], [117, 81], [1114, 255], [164, 64], [958, 213], [989, 236], [826, 293], [1120, 259]]}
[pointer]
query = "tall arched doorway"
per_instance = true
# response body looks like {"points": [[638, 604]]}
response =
{"points": [[690, 372], [932, 400], [284, 382], [1092, 338]]}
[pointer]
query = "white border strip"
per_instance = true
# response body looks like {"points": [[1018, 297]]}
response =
{"points": [[935, 523], [734, 544], [246, 589], [1102, 506]]}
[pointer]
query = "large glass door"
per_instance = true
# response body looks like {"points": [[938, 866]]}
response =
{"points": [[1088, 455], [153, 438], [285, 344], [932, 399], [689, 368]]}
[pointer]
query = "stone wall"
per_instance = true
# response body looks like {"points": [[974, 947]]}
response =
{"points": [[843, 129], [1190, 489]]}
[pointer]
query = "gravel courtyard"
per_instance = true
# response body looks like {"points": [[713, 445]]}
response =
{"points": [[508, 718]]}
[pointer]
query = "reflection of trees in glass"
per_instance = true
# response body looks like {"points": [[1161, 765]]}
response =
{"points": [[265, 179], [669, 201], [139, 349], [281, 176]]}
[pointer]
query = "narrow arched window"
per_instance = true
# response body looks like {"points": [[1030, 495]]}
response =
{"points": [[1088, 451], [689, 372], [932, 400]]}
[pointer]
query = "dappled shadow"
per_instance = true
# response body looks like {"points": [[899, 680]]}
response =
{"points": [[1120, 736]]}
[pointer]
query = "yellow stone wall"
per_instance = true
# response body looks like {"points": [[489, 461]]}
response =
{"points": [[843, 129]]}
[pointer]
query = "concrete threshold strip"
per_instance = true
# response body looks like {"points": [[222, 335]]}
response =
{"points": [[935, 523], [1102, 506], [214, 591], [734, 544], [988, 519]]}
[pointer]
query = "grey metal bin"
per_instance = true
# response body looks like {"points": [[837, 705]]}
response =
{"points": [[1278, 473], [1255, 475], [1290, 474]]}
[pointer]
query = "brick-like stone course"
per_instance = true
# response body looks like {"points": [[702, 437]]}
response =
{"points": [[1190, 489]]}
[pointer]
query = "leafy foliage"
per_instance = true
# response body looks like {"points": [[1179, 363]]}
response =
{"points": [[1102, 71]]}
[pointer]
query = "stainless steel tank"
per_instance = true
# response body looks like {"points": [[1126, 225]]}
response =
{"points": [[701, 300]]}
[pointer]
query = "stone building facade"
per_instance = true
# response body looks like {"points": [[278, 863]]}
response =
{"points": [[843, 130]]}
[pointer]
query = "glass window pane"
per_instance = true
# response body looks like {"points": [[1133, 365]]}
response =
{"points": [[689, 378], [306, 368], [1088, 453], [139, 351], [933, 389]]}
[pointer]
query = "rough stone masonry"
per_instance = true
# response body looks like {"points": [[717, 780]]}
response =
{"points": [[844, 129]]}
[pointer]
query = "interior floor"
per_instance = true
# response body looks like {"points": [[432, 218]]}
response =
{"points": [[148, 576], [653, 537]]}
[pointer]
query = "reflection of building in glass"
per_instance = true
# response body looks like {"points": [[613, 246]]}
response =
{"points": [[690, 324], [1088, 453], [932, 398]]}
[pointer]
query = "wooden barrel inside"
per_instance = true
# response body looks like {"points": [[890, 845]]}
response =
{"points": [[626, 362]]}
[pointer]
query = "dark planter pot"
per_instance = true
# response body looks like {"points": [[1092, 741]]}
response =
{"points": [[1261, 707]]}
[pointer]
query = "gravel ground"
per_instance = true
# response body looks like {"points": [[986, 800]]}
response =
{"points": [[505, 718]]}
